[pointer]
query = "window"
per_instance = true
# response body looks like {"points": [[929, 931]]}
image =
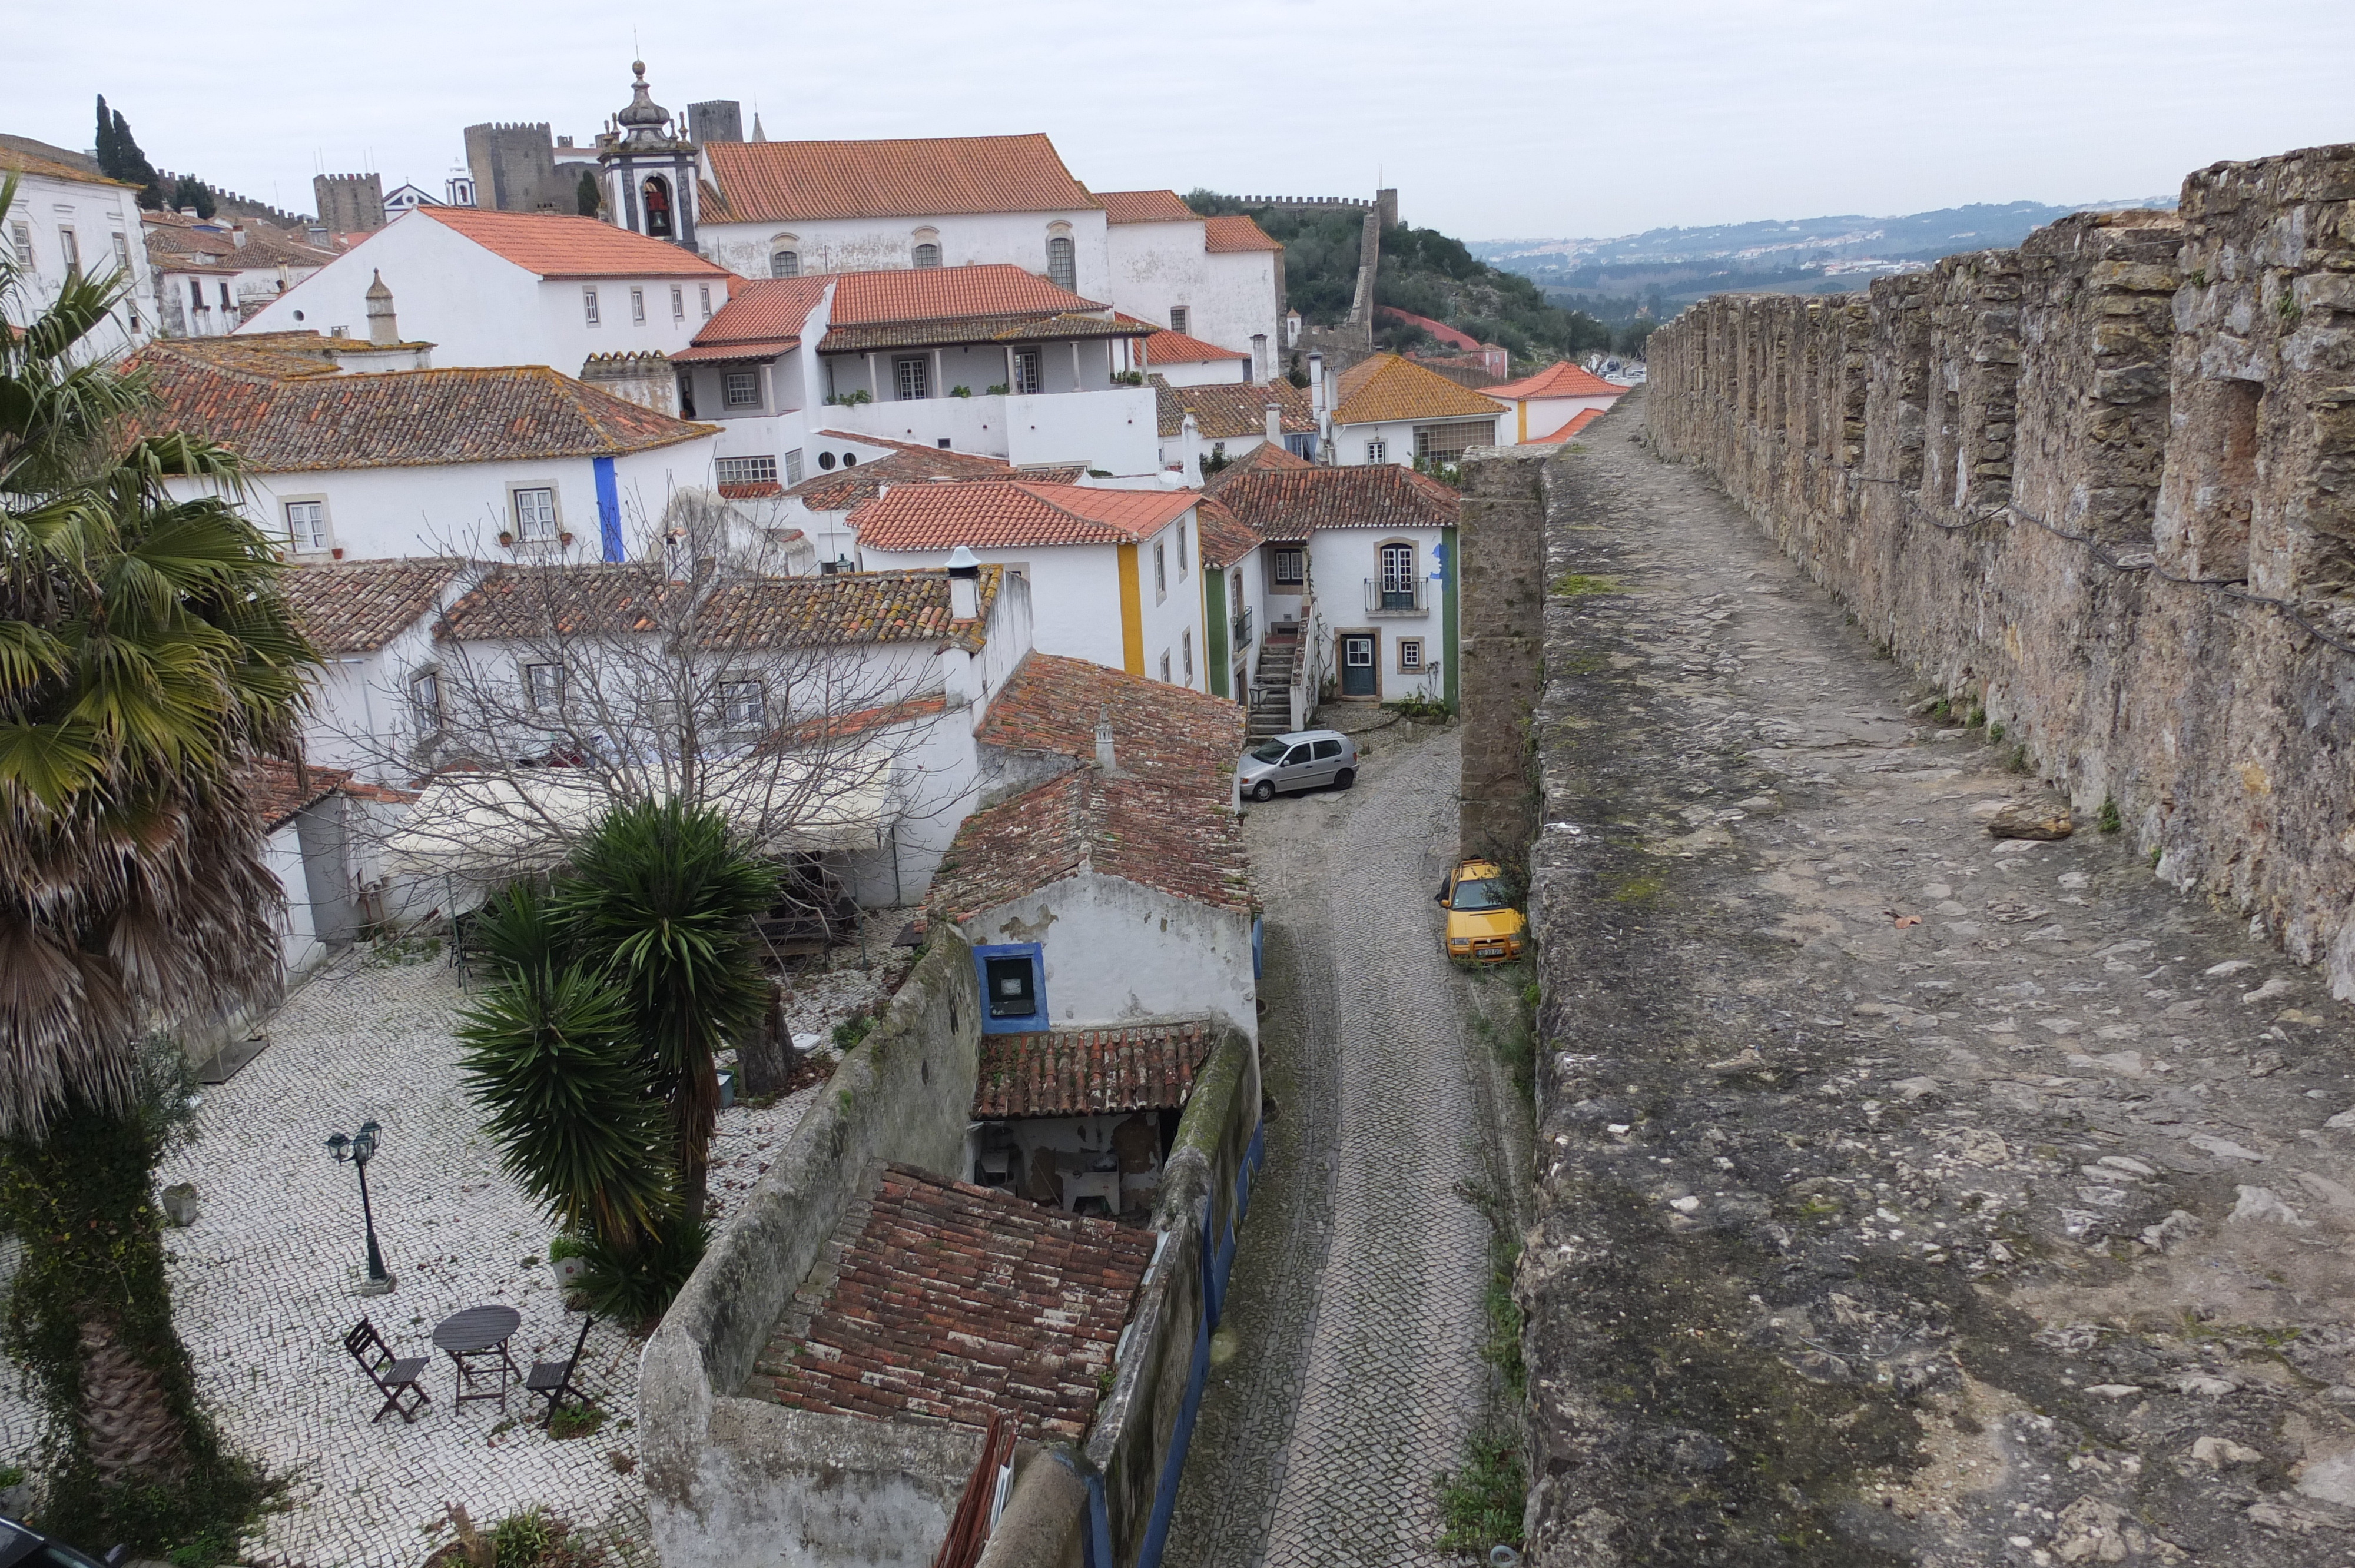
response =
{"points": [[745, 470], [927, 256], [677, 303], [638, 305], [703, 292], [1160, 571], [1291, 567], [196, 293], [1165, 669], [425, 701], [306, 527], [794, 466], [1026, 378], [784, 263], [826, 461], [588, 306], [1183, 564], [744, 705], [1186, 653], [20, 235], [1411, 655], [1398, 576], [1013, 988], [685, 395], [914, 373], [70, 249], [1378, 451], [121, 252], [535, 516], [1178, 317], [1448, 442], [741, 389], [543, 685], [1324, 750], [1062, 265], [224, 296]]}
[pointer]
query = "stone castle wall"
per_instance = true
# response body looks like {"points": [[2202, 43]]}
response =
{"points": [[2105, 486]]}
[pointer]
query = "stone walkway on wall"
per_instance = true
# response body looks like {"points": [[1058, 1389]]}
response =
{"points": [[1910, 1194], [1345, 1375]]}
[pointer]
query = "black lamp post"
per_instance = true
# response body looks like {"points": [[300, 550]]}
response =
{"points": [[359, 1149]]}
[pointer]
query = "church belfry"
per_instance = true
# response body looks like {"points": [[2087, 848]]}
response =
{"points": [[649, 171]]}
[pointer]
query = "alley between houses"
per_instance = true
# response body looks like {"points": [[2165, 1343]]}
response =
{"points": [[1346, 1373]]}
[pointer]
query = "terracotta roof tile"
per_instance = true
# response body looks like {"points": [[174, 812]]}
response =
{"points": [[358, 607], [171, 237], [1146, 206], [1264, 458], [780, 182], [1174, 838], [556, 245], [993, 303], [1226, 538], [1222, 235], [1227, 411], [1576, 423], [1090, 1072], [1559, 379], [18, 160], [1166, 347], [843, 608], [275, 790], [292, 418], [1388, 388], [517, 603], [763, 318], [949, 1302], [1286, 505], [1439, 331], [1161, 732], [987, 515], [846, 488]]}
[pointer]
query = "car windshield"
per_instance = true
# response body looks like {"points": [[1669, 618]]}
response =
{"points": [[1269, 751], [1479, 893]]}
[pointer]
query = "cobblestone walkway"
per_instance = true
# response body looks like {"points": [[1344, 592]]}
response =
{"points": [[1355, 1313], [262, 1283]]}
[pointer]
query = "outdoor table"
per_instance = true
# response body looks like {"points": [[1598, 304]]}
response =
{"points": [[476, 1334]]}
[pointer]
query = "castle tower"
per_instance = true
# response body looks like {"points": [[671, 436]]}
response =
{"points": [[649, 172], [349, 203]]}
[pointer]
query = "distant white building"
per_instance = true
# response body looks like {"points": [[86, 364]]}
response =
{"points": [[1542, 407], [1219, 280], [68, 218], [1389, 409], [210, 274]]}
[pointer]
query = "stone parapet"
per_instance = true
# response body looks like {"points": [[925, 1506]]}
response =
{"points": [[1501, 550]]}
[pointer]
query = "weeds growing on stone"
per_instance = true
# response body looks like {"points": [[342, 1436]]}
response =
{"points": [[1995, 735], [2109, 822], [1480, 1501], [1577, 585], [575, 1421], [2020, 760], [1979, 717]]}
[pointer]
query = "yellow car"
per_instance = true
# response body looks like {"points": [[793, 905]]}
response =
{"points": [[1483, 928]]}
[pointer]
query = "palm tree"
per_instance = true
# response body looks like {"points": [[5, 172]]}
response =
{"points": [[145, 654]]}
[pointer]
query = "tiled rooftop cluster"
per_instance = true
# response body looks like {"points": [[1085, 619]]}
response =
{"points": [[1161, 732], [1145, 206], [1559, 379], [1166, 347], [1285, 503], [359, 607], [941, 1300], [985, 515], [1230, 410], [177, 240], [520, 603], [846, 488], [1386, 387], [1090, 1072]]}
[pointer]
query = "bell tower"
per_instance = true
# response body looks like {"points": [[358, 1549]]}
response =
{"points": [[649, 171]]}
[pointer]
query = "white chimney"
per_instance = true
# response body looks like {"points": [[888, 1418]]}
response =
{"points": [[965, 585], [1105, 762], [1274, 425], [1262, 369], [1189, 435], [1316, 385]]}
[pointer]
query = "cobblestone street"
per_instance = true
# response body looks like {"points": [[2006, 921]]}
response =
{"points": [[1354, 1314]]}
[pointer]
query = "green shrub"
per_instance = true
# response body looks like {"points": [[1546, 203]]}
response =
{"points": [[851, 1031], [575, 1421], [523, 1540], [2109, 822], [1480, 1502]]}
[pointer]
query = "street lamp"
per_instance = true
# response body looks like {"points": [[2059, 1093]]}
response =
{"points": [[359, 1149]]}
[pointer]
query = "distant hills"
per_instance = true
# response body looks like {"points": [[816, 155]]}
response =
{"points": [[1664, 268]]}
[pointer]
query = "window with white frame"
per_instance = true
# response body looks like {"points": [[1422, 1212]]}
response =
{"points": [[912, 374], [1160, 571], [1063, 267], [224, 296], [677, 303], [741, 389], [1378, 451], [71, 247], [543, 685], [638, 305], [425, 701], [927, 256], [535, 514], [743, 705], [1409, 650], [121, 252], [1185, 562], [1178, 318], [1448, 442], [794, 466], [1028, 377], [588, 306], [745, 470], [20, 235], [1398, 576], [1165, 669], [306, 527], [1288, 568], [784, 263], [1186, 653], [703, 292]]}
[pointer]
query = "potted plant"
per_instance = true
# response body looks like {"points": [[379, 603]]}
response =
{"points": [[506, 540], [565, 540]]}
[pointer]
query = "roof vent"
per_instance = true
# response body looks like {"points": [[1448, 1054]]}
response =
{"points": [[965, 585], [1105, 761]]}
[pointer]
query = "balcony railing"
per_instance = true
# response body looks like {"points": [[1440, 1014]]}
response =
{"points": [[1392, 596], [1242, 628]]}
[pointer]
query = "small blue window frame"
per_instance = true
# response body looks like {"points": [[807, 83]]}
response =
{"points": [[1036, 1021]]}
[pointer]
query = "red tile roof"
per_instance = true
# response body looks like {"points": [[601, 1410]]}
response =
{"points": [[780, 182], [1387, 387], [763, 318], [358, 607], [1090, 1072], [1162, 733], [1559, 379], [936, 293], [1266, 457], [522, 603], [275, 790], [1174, 839], [555, 245], [843, 608], [1287, 505], [1439, 330], [1228, 410], [1222, 235], [1166, 347], [985, 514], [1577, 422], [940, 1300], [1146, 206], [171, 235], [293, 418], [1226, 538], [846, 488]]}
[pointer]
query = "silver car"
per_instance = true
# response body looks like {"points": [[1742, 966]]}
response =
{"points": [[1301, 760]]}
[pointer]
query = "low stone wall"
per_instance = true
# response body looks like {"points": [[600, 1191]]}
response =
{"points": [[734, 1480], [2102, 487]]}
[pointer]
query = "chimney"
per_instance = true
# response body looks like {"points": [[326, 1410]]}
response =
{"points": [[1292, 329], [1104, 761], [1262, 368], [1274, 425], [382, 327], [964, 587], [237, 235], [1189, 435], [1316, 385]]}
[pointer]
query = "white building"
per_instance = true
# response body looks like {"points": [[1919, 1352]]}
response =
{"points": [[211, 274], [1115, 574], [1229, 421], [848, 471], [1540, 408], [1183, 360], [1389, 409], [372, 623], [1217, 280], [67, 217], [516, 461], [511, 288]]}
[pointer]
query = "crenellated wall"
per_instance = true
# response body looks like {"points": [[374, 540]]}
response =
{"points": [[2105, 486]]}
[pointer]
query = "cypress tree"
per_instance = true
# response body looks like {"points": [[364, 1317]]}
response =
{"points": [[587, 195], [131, 163], [108, 152]]}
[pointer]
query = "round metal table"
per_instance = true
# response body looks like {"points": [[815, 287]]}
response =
{"points": [[478, 1334]]}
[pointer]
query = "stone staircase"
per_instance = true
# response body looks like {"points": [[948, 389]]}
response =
{"points": [[1271, 698]]}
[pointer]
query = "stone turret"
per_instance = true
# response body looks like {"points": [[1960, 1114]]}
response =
{"points": [[381, 323]]}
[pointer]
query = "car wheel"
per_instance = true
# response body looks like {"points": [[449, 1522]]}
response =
{"points": [[1343, 780], [1262, 790]]}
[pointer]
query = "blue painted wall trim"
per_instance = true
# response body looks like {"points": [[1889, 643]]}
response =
{"points": [[1030, 1023], [1099, 1542], [609, 510]]}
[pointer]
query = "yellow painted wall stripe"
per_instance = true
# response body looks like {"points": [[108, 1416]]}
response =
{"points": [[1521, 407], [1131, 613]]}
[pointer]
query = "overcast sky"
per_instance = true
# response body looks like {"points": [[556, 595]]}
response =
{"points": [[1494, 120]]}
